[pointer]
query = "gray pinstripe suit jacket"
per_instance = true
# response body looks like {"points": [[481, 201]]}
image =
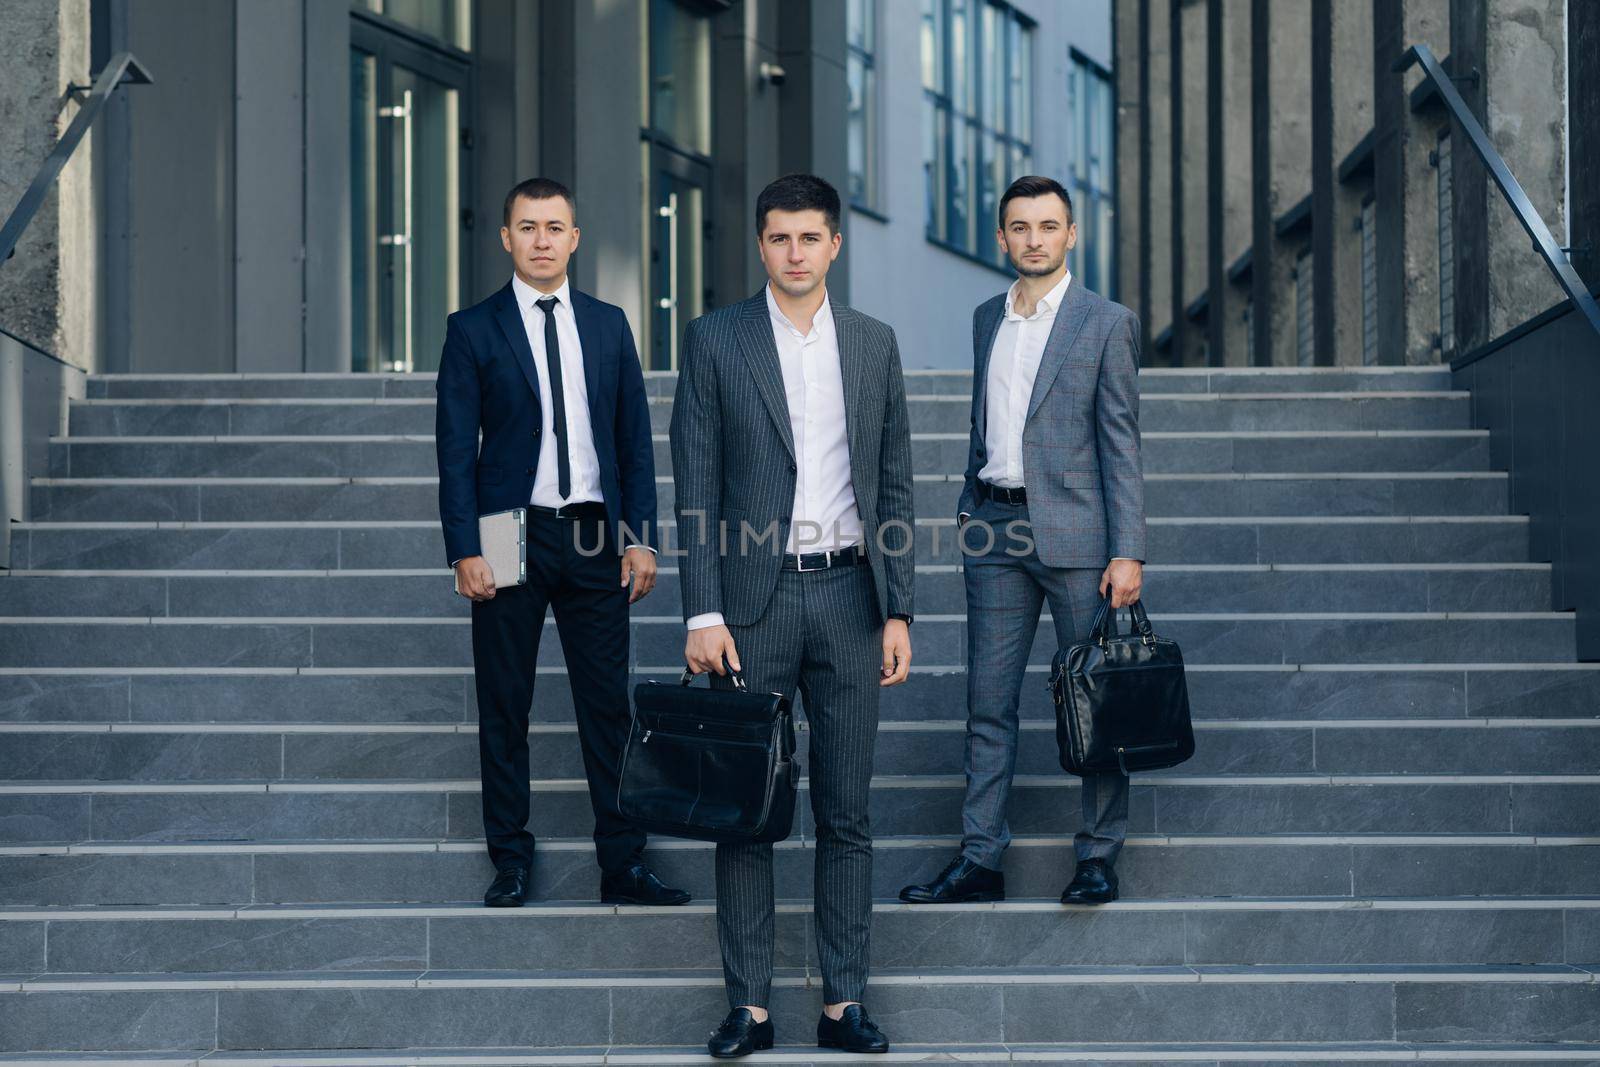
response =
{"points": [[1080, 443], [733, 456]]}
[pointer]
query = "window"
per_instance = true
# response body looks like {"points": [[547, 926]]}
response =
{"points": [[680, 75], [1090, 177], [1305, 348], [977, 81], [449, 21], [861, 79], [1368, 226], [1447, 248]]}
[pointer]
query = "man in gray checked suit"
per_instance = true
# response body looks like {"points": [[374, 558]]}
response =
{"points": [[790, 439], [1052, 510]]}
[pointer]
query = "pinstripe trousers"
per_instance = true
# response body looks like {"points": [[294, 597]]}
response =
{"points": [[820, 632], [1004, 595]]}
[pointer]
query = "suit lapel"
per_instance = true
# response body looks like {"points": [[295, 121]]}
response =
{"points": [[989, 327], [1069, 321], [509, 316], [761, 352], [847, 330], [583, 311]]}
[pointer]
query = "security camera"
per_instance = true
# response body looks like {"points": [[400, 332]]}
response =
{"points": [[773, 74]]}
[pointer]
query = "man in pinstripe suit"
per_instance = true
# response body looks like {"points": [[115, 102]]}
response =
{"points": [[791, 457], [1054, 456]]}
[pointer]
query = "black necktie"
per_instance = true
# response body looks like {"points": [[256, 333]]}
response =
{"points": [[552, 360]]}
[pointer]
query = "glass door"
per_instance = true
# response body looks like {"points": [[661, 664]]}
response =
{"points": [[679, 237], [408, 165]]}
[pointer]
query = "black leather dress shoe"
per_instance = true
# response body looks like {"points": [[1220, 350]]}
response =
{"points": [[740, 1035], [853, 1033], [638, 885], [509, 888], [1093, 883], [960, 882]]}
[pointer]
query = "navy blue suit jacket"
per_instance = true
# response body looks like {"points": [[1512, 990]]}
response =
{"points": [[487, 381]]}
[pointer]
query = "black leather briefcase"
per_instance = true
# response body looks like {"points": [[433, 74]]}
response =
{"points": [[710, 764], [1121, 700]]}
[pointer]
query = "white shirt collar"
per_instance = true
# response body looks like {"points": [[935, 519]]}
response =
{"points": [[528, 296], [824, 313], [1050, 302]]}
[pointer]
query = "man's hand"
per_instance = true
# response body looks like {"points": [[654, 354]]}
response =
{"points": [[1126, 578], [706, 647], [475, 578], [639, 566], [896, 652]]}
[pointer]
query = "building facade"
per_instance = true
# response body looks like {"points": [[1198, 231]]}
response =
{"points": [[314, 186], [1293, 200]]}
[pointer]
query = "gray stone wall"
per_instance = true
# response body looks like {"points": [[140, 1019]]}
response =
{"points": [[47, 289]]}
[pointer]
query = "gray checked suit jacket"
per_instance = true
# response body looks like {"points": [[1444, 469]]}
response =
{"points": [[733, 457], [1080, 443]]}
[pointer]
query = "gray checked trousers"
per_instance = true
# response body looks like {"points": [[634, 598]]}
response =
{"points": [[1004, 595], [821, 632]]}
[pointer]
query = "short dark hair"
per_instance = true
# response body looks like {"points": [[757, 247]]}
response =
{"points": [[798, 192], [539, 189], [1031, 185]]}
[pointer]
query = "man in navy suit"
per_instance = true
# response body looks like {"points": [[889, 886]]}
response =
{"points": [[551, 378]]}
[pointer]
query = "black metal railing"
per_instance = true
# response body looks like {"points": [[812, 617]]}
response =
{"points": [[122, 70], [1555, 257]]}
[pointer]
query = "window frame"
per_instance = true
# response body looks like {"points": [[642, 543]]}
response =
{"points": [[871, 200], [966, 110]]}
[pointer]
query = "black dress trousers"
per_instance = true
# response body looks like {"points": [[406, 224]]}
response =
{"points": [[591, 613]]}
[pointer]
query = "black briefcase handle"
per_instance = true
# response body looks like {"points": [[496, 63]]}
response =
{"points": [[738, 676], [1105, 628]]}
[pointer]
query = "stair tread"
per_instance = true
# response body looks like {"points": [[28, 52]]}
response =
{"points": [[794, 976], [547, 910]]}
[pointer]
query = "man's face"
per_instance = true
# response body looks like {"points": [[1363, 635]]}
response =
{"points": [[541, 237], [797, 248], [1037, 236]]}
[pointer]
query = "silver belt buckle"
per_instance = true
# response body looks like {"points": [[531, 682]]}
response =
{"points": [[800, 564]]}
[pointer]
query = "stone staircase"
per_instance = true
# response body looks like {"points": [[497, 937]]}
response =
{"points": [[239, 811]]}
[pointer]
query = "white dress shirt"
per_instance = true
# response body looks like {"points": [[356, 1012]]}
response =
{"points": [[1013, 366], [1008, 385], [824, 516], [582, 461]]}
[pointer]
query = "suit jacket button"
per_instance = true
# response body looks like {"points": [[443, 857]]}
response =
{"points": [[528, 471], [791, 468]]}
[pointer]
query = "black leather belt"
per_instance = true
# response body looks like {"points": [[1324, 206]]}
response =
{"points": [[583, 509], [1004, 495], [821, 561]]}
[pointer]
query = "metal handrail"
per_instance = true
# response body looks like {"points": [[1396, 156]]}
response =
{"points": [[1554, 256], [122, 70]]}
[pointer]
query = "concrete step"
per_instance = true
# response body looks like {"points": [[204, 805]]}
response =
{"points": [[1163, 1054], [417, 498], [1168, 803], [932, 412], [1426, 932], [386, 545], [378, 455], [1150, 867], [663, 383], [439, 1009], [329, 641], [1310, 691], [940, 589], [313, 751]]}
